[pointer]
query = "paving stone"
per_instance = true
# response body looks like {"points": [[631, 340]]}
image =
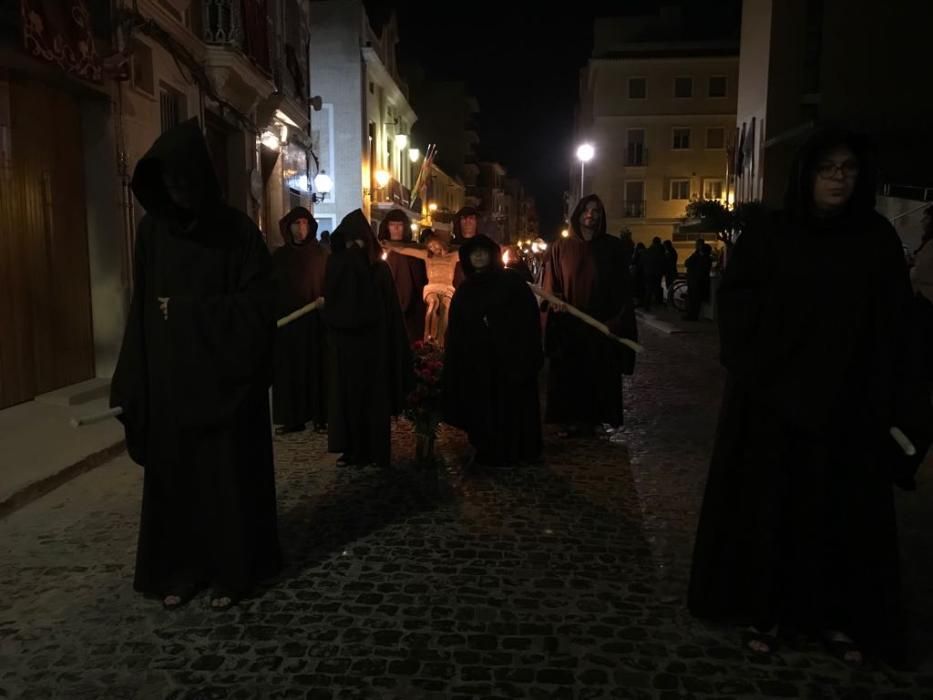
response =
{"points": [[564, 580]]}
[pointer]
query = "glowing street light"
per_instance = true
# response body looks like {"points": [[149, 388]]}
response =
{"points": [[565, 234], [401, 140], [382, 178], [432, 207], [585, 153], [414, 154], [323, 185]]}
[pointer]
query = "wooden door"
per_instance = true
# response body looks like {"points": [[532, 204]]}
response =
{"points": [[45, 305]]}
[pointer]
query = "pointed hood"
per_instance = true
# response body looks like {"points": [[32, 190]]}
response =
{"points": [[395, 215], [798, 199], [575, 217], [458, 238], [356, 227], [479, 241], [181, 153], [285, 225]]}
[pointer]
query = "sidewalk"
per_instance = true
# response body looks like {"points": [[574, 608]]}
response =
{"points": [[40, 450]]}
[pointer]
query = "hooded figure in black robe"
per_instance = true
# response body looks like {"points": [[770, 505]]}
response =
{"points": [[369, 356], [798, 528], [585, 377], [492, 357], [409, 274], [462, 232], [299, 390], [193, 379]]}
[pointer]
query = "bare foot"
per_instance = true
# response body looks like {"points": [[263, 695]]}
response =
{"points": [[761, 642], [844, 647]]}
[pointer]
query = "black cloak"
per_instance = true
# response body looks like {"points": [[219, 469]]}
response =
{"points": [[492, 356], [194, 387]]}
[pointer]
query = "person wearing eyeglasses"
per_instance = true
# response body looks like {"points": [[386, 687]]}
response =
{"points": [[797, 532]]}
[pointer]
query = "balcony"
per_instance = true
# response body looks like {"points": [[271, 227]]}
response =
{"points": [[634, 209], [636, 155], [239, 60], [242, 25]]}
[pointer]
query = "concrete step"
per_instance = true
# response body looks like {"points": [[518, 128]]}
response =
{"points": [[76, 394], [39, 450]]}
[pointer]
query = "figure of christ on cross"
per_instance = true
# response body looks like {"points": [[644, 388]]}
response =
{"points": [[441, 265]]}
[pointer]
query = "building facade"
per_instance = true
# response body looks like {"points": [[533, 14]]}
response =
{"points": [[86, 86], [838, 61], [660, 114], [363, 131]]}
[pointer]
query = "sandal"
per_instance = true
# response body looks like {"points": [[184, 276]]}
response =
{"points": [[222, 600], [181, 597], [769, 640], [841, 646], [344, 461]]}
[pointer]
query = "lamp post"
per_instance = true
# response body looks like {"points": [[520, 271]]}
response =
{"points": [[585, 153], [323, 185]]}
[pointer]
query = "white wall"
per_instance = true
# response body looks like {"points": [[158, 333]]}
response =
{"points": [[337, 75]]}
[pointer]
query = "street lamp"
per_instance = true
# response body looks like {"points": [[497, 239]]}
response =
{"points": [[585, 153], [401, 140], [323, 184], [414, 154]]}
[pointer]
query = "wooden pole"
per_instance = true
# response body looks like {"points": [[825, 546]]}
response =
{"points": [[587, 319], [81, 421]]}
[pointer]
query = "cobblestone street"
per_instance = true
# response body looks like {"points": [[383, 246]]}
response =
{"points": [[560, 581]]}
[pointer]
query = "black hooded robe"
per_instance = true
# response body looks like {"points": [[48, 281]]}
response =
{"points": [[492, 356], [586, 367], [194, 387], [798, 523], [299, 389], [369, 356], [410, 276]]}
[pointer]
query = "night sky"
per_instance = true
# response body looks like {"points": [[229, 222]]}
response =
{"points": [[523, 65]]}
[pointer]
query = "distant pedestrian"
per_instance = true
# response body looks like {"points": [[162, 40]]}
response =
{"points": [[670, 265], [698, 267], [654, 263]]}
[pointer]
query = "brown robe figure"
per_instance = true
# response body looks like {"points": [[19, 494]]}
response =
{"points": [[407, 272], [588, 271], [299, 390]]}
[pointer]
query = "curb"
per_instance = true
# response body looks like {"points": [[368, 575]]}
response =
{"points": [[45, 485]]}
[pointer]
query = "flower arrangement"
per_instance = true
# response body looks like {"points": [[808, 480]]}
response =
{"points": [[424, 402]]}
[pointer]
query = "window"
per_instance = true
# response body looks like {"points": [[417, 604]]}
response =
{"points": [[141, 68], [683, 87], [715, 138], [637, 88], [712, 189], [635, 148], [680, 189], [681, 138], [172, 107], [717, 86], [634, 205]]}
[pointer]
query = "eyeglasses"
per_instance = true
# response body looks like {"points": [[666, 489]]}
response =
{"points": [[829, 170]]}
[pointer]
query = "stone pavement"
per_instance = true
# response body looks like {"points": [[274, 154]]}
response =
{"points": [[562, 581]]}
